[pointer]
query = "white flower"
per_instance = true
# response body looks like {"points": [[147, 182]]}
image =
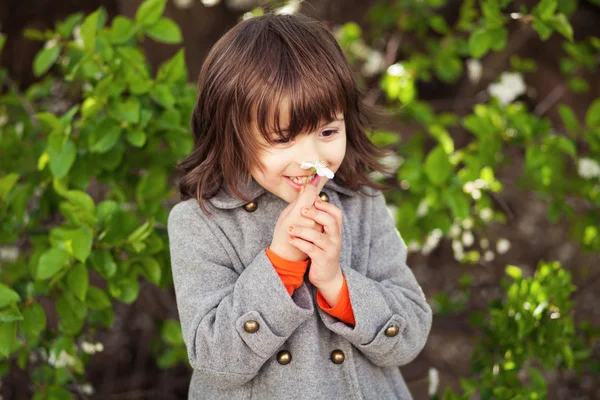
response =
{"points": [[455, 231], [9, 253], [63, 360], [489, 255], [423, 208], [413, 247], [86, 388], [434, 381], [588, 168], [88, 348], [375, 63], [321, 168], [99, 347], [474, 70], [210, 3], [468, 187], [184, 3], [510, 87], [467, 238], [396, 70], [392, 161], [486, 214], [502, 246], [467, 223], [292, 7], [77, 36], [3, 119], [51, 43], [457, 246], [484, 243], [476, 193]]}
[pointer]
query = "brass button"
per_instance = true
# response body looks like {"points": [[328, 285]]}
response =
{"points": [[324, 196], [337, 357], [392, 330], [284, 357], [251, 326], [251, 207]]}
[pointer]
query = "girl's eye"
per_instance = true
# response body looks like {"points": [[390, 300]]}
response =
{"points": [[281, 141], [331, 132]]}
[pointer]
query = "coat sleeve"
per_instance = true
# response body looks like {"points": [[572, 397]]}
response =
{"points": [[214, 302], [388, 296]]}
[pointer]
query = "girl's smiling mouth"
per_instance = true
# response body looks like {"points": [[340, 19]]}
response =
{"points": [[298, 182]]}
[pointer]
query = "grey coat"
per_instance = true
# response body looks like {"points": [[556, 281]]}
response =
{"points": [[226, 288]]}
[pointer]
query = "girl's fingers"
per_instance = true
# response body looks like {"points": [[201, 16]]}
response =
{"points": [[328, 221], [318, 239], [304, 246], [331, 210]]}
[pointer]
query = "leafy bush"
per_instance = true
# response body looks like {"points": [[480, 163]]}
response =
{"points": [[88, 150]]}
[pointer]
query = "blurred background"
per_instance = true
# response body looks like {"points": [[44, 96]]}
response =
{"points": [[428, 65]]}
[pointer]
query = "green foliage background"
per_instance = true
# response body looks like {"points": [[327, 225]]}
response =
{"points": [[127, 127]]}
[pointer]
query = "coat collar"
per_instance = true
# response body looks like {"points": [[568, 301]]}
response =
{"points": [[226, 200]]}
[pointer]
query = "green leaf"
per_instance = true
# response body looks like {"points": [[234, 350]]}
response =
{"points": [[137, 138], [173, 70], [103, 262], [34, 320], [150, 11], [514, 272], [10, 315], [543, 29], [65, 29], [569, 118], [122, 30], [480, 42], [171, 333], [127, 111], [592, 117], [50, 262], [62, 161], [438, 24], [88, 30], [104, 137], [162, 95], [49, 121], [45, 59], [7, 184], [165, 30], [150, 269], [437, 167], [561, 24], [545, 8], [126, 290], [97, 299], [8, 335], [78, 281], [8, 296]]}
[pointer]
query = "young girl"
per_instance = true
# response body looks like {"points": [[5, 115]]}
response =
{"points": [[288, 288]]}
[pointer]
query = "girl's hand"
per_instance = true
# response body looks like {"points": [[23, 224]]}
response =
{"points": [[292, 215], [323, 248]]}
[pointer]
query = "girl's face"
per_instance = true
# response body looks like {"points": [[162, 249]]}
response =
{"points": [[282, 160]]}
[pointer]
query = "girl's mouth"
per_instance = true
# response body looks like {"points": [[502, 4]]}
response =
{"points": [[299, 183]]}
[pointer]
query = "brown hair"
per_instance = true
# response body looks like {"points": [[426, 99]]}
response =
{"points": [[243, 80]]}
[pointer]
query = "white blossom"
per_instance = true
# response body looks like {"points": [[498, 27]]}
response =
{"points": [[375, 63], [184, 3], [88, 347], [63, 360], [3, 119], [392, 161], [467, 238], [486, 214], [510, 87], [51, 43], [467, 223], [422, 208], [489, 255], [455, 231], [413, 247], [292, 7], [396, 70], [320, 166], [588, 168], [9, 253], [484, 243], [77, 36], [468, 187], [474, 70], [99, 347], [502, 246], [476, 194], [457, 246], [210, 3], [87, 389], [434, 381]]}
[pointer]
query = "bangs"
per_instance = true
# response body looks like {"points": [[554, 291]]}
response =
{"points": [[301, 73]]}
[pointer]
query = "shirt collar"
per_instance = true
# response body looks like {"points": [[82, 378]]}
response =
{"points": [[226, 200]]}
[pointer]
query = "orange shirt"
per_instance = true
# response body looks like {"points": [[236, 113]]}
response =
{"points": [[292, 276]]}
